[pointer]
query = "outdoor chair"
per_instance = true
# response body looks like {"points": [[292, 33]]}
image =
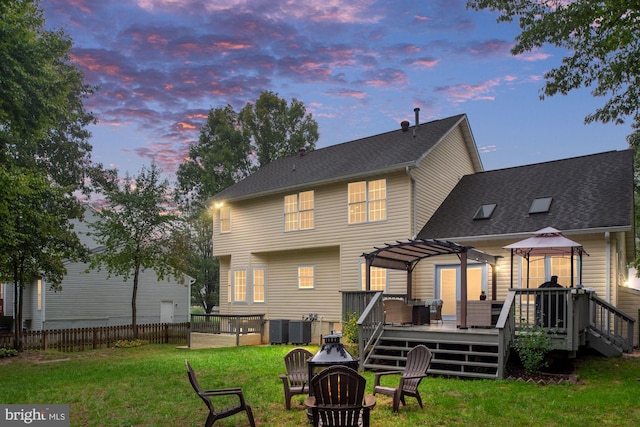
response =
{"points": [[397, 311], [435, 309], [338, 398], [418, 360], [219, 414], [296, 380]]}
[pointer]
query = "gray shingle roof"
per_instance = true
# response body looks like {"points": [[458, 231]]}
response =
{"points": [[589, 192], [375, 154]]}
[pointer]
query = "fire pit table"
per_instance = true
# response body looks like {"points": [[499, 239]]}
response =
{"points": [[332, 352]]}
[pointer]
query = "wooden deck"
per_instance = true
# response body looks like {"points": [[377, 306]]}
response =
{"points": [[472, 352], [573, 318]]}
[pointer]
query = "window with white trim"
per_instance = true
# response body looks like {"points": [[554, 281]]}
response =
{"points": [[240, 286], [306, 276], [367, 201], [299, 211], [378, 278], [259, 284], [225, 219]]}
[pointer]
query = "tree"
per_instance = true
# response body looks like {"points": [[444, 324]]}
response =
{"points": [[602, 38], [278, 129], [45, 157], [225, 155], [220, 158], [137, 234], [39, 236]]}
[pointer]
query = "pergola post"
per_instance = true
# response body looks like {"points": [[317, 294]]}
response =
{"points": [[463, 290]]}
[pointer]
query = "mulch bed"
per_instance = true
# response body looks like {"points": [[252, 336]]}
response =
{"points": [[560, 370]]}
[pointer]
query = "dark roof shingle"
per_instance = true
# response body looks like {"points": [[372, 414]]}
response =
{"points": [[589, 192], [379, 153]]}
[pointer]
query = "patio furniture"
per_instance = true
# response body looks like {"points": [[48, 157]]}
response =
{"points": [[398, 311], [296, 380], [219, 414], [338, 398], [435, 309], [418, 360]]}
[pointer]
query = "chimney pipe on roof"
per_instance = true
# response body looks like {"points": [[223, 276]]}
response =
{"points": [[417, 111], [404, 125], [302, 151]]}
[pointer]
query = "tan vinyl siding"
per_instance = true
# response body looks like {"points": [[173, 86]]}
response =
{"points": [[438, 174]]}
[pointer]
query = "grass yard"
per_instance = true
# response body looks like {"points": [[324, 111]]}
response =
{"points": [[148, 386]]}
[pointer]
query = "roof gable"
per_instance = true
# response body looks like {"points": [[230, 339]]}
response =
{"points": [[589, 192], [375, 154]]}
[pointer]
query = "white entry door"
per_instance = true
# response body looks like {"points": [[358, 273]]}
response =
{"points": [[166, 312], [448, 286]]}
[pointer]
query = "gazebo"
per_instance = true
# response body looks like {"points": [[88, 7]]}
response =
{"points": [[547, 241], [406, 255]]}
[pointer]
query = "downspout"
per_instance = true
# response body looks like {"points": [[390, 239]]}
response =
{"points": [[414, 208], [607, 281]]}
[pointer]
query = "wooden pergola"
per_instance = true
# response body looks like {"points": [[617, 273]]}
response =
{"points": [[406, 255]]}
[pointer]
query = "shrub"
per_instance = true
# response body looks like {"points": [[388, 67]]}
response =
{"points": [[350, 327], [8, 352], [130, 343], [532, 345]]}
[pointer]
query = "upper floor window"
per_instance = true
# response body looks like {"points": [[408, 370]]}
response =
{"points": [[367, 201], [225, 219], [306, 276], [299, 211], [378, 278]]}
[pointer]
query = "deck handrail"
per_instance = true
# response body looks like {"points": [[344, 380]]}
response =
{"points": [[506, 326], [232, 324], [370, 325], [609, 321]]}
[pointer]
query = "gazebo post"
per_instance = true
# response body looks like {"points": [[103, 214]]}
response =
{"points": [[494, 281], [409, 282], [511, 284], [368, 275]]}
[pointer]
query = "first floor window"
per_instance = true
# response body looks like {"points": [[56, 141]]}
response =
{"points": [[258, 284], [540, 269], [240, 285], [306, 276], [378, 279]]}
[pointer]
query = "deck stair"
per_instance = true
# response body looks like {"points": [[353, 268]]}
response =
{"points": [[470, 354]]}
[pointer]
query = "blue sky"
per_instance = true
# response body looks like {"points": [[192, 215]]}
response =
{"points": [[359, 66]]}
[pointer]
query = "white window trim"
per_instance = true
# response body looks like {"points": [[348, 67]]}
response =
{"points": [[233, 286], [297, 212], [312, 266], [367, 202], [220, 220], [264, 285]]}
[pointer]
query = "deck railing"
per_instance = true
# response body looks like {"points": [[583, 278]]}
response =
{"points": [[608, 321], [231, 324]]}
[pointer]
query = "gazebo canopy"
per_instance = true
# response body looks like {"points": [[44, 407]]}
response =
{"points": [[547, 241]]}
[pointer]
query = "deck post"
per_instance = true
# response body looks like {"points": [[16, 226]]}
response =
{"points": [[463, 290]]}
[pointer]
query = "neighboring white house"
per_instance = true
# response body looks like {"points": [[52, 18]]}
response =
{"points": [[89, 299]]}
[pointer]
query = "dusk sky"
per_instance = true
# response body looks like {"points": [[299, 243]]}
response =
{"points": [[359, 66]]}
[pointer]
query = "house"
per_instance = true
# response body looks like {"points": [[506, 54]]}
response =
{"points": [[588, 198], [290, 236], [90, 299]]}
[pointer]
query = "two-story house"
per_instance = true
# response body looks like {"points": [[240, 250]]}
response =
{"points": [[290, 236]]}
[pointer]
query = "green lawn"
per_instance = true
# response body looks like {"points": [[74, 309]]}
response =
{"points": [[148, 386]]}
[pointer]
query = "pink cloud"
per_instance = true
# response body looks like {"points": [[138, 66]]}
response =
{"points": [[466, 92]]}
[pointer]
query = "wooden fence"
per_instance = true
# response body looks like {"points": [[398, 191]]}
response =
{"points": [[80, 339]]}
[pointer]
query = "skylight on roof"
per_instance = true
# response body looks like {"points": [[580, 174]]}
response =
{"points": [[540, 205], [485, 211]]}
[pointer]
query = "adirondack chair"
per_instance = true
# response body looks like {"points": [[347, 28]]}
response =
{"points": [[338, 398], [296, 380], [418, 360], [219, 414]]}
